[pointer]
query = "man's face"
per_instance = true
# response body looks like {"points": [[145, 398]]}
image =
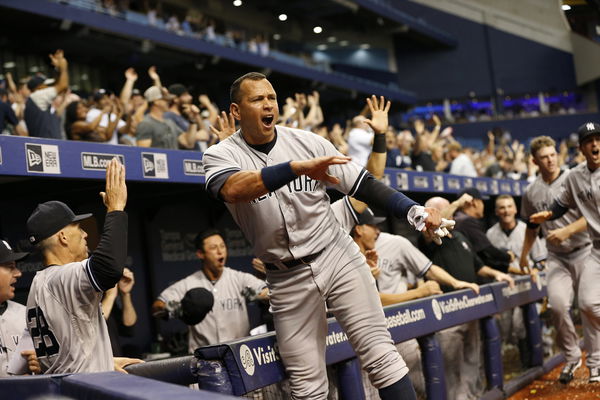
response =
{"points": [[8, 277], [257, 110], [103, 101], [546, 159], [77, 241], [214, 254], [185, 98], [591, 150], [479, 208], [506, 210], [369, 235], [162, 105]]}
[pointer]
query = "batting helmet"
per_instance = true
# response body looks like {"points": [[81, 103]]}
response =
{"points": [[586, 130]]}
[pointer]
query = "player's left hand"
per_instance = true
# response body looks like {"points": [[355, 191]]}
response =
{"points": [[379, 114], [127, 281], [540, 217], [372, 259], [502, 277], [121, 362], [259, 266], [557, 236], [316, 168]]}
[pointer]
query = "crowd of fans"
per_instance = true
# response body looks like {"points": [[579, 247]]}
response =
{"points": [[168, 116]]}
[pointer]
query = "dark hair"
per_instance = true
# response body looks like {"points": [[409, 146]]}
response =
{"points": [[70, 116], [234, 92], [199, 241]]}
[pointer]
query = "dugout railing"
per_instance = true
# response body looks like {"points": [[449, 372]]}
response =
{"points": [[248, 364]]}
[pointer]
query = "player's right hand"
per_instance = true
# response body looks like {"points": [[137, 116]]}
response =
{"points": [[225, 126], [115, 196], [430, 288], [316, 168], [540, 217]]}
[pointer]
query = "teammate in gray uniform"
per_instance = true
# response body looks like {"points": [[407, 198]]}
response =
{"points": [[581, 190], [63, 308], [228, 319], [12, 314], [283, 209], [568, 244], [508, 233]]}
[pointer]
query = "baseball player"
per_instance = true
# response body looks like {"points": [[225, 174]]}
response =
{"points": [[228, 318], [63, 308], [273, 181], [568, 244], [12, 314], [580, 190]]}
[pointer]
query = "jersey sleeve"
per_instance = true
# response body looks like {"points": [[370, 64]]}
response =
{"points": [[175, 292], [218, 166], [344, 213], [415, 261], [527, 208], [249, 280], [349, 174]]}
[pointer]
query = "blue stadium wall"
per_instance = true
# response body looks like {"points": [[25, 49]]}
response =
{"points": [[483, 54]]}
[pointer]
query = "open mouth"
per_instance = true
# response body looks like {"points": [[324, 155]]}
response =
{"points": [[221, 260], [267, 120], [595, 152]]}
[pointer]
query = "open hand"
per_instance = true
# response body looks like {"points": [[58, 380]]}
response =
{"points": [[379, 114], [225, 126], [316, 168]]}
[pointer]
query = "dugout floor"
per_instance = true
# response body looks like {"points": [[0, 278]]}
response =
{"points": [[547, 387]]}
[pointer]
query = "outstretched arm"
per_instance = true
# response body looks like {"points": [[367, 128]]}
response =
{"points": [[440, 275]]}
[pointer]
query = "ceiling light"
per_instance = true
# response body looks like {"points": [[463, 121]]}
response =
{"points": [[566, 7], [276, 36], [282, 17], [344, 43], [331, 39], [317, 29], [365, 46], [237, 3], [322, 47]]}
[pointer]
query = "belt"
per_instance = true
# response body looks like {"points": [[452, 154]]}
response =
{"points": [[580, 247], [294, 263]]}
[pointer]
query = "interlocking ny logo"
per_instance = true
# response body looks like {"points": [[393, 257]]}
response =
{"points": [[33, 157], [589, 126]]}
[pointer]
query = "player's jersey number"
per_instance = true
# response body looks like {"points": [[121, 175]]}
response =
{"points": [[44, 341]]}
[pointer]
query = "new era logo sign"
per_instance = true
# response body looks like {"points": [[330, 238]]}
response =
{"points": [[193, 167], [42, 158], [154, 165]]}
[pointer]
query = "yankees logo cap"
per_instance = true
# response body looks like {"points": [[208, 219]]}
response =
{"points": [[588, 129], [49, 218], [368, 218], [8, 255]]}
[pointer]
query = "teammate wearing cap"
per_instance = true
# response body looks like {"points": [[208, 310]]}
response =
{"points": [[568, 244], [63, 308], [227, 319], [580, 191], [284, 211], [12, 314]]}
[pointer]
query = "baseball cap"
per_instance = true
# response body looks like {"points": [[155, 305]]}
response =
{"points": [[100, 93], [368, 218], [154, 93], [7, 254], [586, 130], [474, 192], [135, 92], [49, 218], [195, 305], [177, 89], [35, 81]]}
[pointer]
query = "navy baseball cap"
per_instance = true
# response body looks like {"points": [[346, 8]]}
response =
{"points": [[49, 218], [474, 192], [35, 81], [177, 89], [196, 303], [588, 129], [368, 218], [8, 255]]}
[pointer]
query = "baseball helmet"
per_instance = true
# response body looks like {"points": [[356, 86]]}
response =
{"points": [[195, 305], [586, 130]]}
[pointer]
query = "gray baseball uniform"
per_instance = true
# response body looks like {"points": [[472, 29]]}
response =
{"points": [[514, 241], [296, 221], [65, 320], [228, 319], [12, 324], [581, 190], [564, 262], [400, 264]]}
